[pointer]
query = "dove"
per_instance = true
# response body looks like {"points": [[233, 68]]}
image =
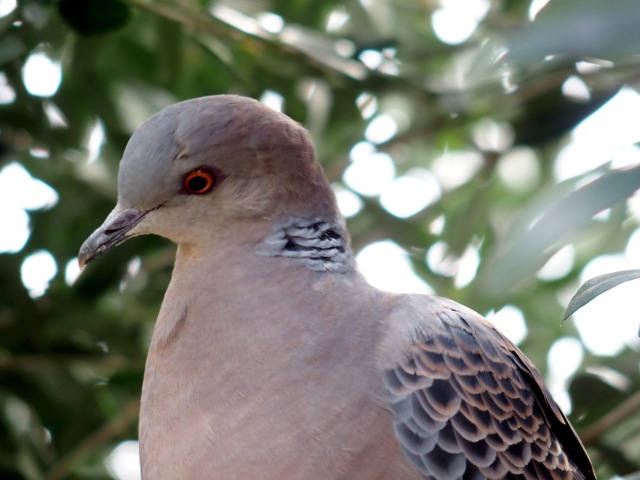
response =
{"points": [[273, 358]]}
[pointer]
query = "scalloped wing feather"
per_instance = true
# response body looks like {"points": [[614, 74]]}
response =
{"points": [[467, 404]]}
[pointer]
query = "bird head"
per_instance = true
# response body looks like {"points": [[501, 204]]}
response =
{"points": [[197, 168]]}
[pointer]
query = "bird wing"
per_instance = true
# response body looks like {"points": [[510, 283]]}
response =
{"points": [[467, 403]]}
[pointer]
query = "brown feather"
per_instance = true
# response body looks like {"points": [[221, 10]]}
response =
{"points": [[494, 416]]}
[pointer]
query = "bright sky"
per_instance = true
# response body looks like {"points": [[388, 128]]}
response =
{"points": [[605, 324]]}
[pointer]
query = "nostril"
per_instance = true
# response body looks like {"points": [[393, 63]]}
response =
{"points": [[124, 219]]}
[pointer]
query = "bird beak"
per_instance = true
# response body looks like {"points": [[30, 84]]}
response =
{"points": [[115, 230]]}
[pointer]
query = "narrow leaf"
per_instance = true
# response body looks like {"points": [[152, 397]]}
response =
{"points": [[525, 251], [597, 286]]}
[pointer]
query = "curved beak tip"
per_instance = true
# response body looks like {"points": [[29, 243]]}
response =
{"points": [[83, 259], [116, 229], [91, 249]]}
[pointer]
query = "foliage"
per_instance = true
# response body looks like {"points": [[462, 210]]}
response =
{"points": [[71, 360], [597, 286]]}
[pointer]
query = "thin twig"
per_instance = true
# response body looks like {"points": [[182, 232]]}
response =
{"points": [[105, 432], [592, 434]]}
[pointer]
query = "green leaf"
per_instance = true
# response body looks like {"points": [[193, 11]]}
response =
{"points": [[577, 29], [526, 250], [91, 17], [597, 286]]}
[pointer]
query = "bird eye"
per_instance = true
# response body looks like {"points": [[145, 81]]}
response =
{"points": [[198, 181]]}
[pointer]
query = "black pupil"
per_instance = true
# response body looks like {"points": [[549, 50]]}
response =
{"points": [[197, 184]]}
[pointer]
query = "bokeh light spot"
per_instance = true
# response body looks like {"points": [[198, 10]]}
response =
{"points": [[386, 266], [41, 75], [36, 272]]}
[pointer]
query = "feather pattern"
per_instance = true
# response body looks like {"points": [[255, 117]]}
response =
{"points": [[468, 404], [315, 244]]}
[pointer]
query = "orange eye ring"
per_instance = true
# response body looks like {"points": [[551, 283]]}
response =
{"points": [[198, 181]]}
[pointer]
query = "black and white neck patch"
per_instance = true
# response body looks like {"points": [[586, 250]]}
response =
{"points": [[317, 244]]}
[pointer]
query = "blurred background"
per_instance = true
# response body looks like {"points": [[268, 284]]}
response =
{"points": [[486, 150]]}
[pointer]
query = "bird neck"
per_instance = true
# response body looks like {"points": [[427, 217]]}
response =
{"points": [[315, 243], [231, 283]]}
